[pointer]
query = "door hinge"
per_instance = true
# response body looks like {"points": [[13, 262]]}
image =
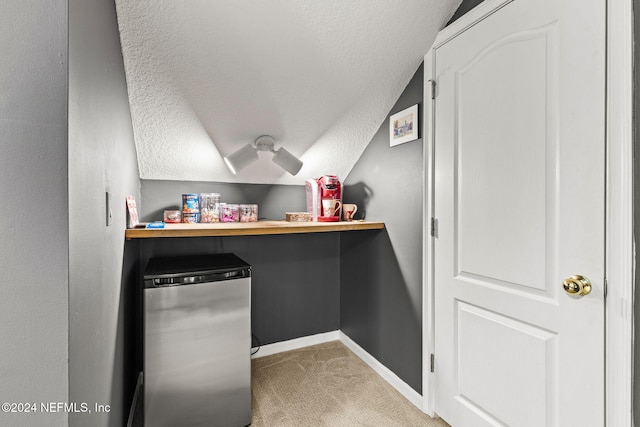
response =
{"points": [[605, 287], [433, 226], [432, 86], [432, 362]]}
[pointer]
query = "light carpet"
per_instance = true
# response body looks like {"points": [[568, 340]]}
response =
{"points": [[327, 385]]}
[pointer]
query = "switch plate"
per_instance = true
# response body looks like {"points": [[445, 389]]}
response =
{"points": [[108, 208]]}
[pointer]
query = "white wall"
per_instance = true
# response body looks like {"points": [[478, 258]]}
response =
{"points": [[33, 224], [102, 158]]}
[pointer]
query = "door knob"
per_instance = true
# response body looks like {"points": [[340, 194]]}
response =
{"points": [[577, 285]]}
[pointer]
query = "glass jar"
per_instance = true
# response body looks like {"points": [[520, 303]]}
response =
{"points": [[229, 212], [209, 207], [172, 216], [248, 213]]}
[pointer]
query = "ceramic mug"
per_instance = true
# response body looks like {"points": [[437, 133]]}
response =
{"points": [[330, 207], [348, 211]]}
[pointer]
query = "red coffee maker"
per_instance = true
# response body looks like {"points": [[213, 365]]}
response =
{"points": [[324, 198]]}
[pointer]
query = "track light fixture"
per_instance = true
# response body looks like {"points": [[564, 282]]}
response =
{"points": [[248, 154]]}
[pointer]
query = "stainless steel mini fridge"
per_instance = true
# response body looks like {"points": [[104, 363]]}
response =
{"points": [[197, 341]]}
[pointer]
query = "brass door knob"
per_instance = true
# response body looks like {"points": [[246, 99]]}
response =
{"points": [[577, 285]]}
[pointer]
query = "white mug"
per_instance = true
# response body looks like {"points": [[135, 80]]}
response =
{"points": [[330, 207], [348, 211]]}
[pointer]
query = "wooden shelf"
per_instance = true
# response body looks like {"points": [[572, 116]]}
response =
{"points": [[249, 229]]}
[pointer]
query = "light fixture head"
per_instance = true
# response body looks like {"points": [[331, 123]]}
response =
{"points": [[242, 158], [249, 154], [287, 161]]}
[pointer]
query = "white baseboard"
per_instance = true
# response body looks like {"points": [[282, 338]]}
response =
{"points": [[294, 344], [403, 388]]}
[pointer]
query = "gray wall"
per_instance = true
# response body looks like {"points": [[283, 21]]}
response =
{"points": [[381, 276], [33, 226], [101, 158]]}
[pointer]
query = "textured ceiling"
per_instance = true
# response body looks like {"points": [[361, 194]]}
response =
{"points": [[206, 77]]}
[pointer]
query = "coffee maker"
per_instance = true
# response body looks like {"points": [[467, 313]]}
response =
{"points": [[324, 198]]}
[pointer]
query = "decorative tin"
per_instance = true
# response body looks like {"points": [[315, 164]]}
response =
{"points": [[298, 216]]}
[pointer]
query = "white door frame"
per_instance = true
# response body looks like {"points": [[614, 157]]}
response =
{"points": [[619, 262]]}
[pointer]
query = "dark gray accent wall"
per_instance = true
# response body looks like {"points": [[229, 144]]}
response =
{"points": [[381, 276], [34, 241], [295, 285], [102, 158]]}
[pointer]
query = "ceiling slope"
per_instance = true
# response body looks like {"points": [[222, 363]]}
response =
{"points": [[206, 77]]}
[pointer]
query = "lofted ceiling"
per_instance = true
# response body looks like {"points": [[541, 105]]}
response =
{"points": [[206, 77]]}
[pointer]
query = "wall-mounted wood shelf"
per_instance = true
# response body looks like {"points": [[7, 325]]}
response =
{"points": [[249, 229]]}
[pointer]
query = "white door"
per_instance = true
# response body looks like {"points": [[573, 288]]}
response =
{"points": [[519, 144]]}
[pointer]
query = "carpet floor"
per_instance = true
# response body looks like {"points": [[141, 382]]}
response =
{"points": [[327, 385]]}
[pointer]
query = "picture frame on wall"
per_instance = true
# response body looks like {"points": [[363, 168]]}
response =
{"points": [[403, 126]]}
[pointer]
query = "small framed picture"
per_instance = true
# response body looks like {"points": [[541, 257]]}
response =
{"points": [[403, 126]]}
